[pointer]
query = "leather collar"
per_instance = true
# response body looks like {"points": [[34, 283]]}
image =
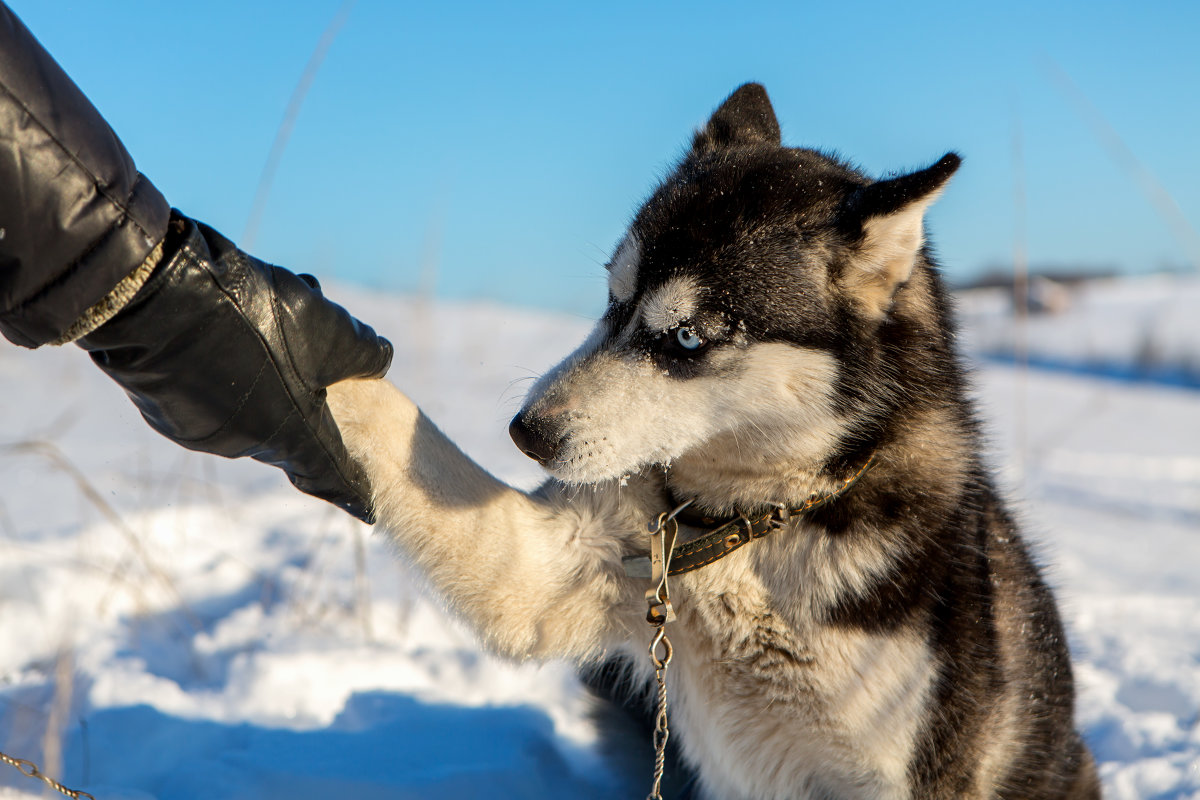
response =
{"points": [[729, 533]]}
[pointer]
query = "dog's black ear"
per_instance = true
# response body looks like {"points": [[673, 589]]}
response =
{"points": [[746, 117], [887, 222]]}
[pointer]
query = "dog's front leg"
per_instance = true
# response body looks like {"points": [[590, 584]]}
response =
{"points": [[538, 575]]}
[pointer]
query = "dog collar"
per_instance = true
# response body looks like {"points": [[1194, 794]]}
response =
{"points": [[729, 533]]}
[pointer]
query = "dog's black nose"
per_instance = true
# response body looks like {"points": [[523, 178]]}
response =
{"points": [[532, 440]]}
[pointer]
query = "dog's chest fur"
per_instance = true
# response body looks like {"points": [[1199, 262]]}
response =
{"points": [[766, 696]]}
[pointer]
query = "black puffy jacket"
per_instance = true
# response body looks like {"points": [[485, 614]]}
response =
{"points": [[220, 352], [76, 217]]}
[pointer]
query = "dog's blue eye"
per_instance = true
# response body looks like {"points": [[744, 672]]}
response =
{"points": [[688, 339]]}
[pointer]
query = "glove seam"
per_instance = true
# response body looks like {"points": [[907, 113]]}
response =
{"points": [[189, 253], [112, 303], [287, 345]]}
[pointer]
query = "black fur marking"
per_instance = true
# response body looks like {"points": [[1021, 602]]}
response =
{"points": [[746, 117], [886, 197]]}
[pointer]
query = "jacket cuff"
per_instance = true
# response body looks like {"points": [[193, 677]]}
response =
{"points": [[114, 301]]}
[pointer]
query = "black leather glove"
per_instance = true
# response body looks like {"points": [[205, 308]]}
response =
{"points": [[225, 354]]}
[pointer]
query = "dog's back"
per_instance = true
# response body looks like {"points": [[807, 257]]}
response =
{"points": [[1030, 746]]}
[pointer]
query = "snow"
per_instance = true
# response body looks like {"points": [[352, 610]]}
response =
{"points": [[1145, 327], [1105, 478], [175, 626]]}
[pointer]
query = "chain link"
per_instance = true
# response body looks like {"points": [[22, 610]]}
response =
{"points": [[662, 730], [30, 770]]}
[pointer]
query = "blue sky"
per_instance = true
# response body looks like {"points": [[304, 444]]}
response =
{"points": [[498, 150]]}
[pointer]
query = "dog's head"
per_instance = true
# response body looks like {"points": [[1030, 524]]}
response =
{"points": [[752, 306]]}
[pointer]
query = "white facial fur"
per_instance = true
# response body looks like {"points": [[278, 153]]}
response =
{"points": [[620, 411], [675, 301], [623, 269]]}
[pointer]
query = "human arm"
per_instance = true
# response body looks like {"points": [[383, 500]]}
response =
{"points": [[219, 351]]}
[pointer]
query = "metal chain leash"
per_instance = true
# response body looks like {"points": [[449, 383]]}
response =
{"points": [[662, 730], [31, 770], [659, 612]]}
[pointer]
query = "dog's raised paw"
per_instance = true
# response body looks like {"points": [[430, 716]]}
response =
{"points": [[370, 411]]}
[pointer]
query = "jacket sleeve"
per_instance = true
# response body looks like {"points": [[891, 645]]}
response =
{"points": [[76, 217]]}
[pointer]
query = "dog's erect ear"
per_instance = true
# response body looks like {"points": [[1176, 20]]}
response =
{"points": [[746, 117], [888, 220]]}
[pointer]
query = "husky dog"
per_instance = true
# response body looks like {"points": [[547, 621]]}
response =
{"points": [[776, 332]]}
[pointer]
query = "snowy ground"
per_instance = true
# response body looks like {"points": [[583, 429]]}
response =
{"points": [[1140, 328], [177, 626]]}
